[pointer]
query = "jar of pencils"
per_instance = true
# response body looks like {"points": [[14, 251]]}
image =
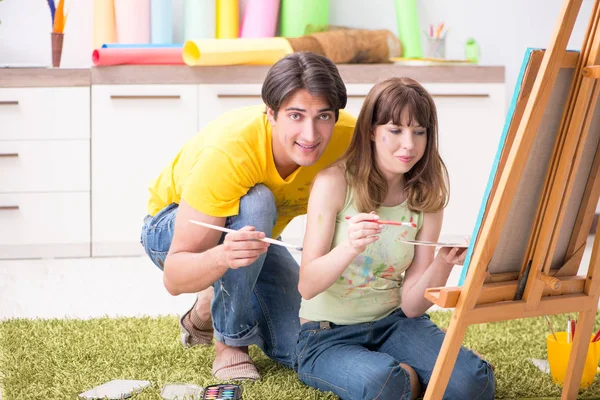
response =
{"points": [[436, 47], [559, 350]]}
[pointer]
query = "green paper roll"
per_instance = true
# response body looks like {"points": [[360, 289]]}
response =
{"points": [[200, 17], [408, 28], [297, 14]]}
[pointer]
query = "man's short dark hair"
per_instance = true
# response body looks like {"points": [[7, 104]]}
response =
{"points": [[317, 74]]}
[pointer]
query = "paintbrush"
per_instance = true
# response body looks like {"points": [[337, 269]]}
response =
{"points": [[395, 223], [550, 327], [266, 240]]}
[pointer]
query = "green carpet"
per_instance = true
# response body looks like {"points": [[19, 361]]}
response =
{"points": [[58, 359]]}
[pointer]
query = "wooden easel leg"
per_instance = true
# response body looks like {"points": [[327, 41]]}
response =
{"points": [[579, 351], [447, 358]]}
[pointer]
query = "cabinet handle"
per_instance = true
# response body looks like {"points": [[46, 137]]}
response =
{"points": [[236, 96], [9, 103], [460, 95], [7, 155], [145, 97], [9, 208]]}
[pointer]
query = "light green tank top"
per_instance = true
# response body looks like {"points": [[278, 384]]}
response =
{"points": [[370, 287]]}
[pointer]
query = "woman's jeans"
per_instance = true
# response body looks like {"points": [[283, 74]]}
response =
{"points": [[362, 361], [256, 304]]}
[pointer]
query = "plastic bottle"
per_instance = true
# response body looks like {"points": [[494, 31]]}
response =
{"points": [[472, 52]]}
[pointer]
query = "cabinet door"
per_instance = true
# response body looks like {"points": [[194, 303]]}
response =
{"points": [[216, 99], [44, 113], [137, 130], [42, 225], [45, 166]]}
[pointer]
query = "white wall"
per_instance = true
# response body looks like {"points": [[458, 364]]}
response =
{"points": [[503, 28]]}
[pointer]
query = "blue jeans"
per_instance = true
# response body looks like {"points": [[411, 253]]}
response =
{"points": [[257, 304], [362, 361]]}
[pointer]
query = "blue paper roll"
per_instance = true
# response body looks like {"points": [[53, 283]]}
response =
{"points": [[139, 45], [161, 21]]}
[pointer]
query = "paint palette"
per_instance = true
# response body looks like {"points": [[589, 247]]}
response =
{"points": [[436, 244], [222, 392]]}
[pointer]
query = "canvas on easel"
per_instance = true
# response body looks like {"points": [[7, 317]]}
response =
{"points": [[539, 204]]}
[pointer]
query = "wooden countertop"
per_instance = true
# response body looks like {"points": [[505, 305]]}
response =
{"points": [[168, 74]]}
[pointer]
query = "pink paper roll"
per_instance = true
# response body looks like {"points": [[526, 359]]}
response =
{"points": [[119, 56], [260, 19], [133, 21]]}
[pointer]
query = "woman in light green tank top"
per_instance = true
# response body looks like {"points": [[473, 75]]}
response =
{"points": [[364, 330]]}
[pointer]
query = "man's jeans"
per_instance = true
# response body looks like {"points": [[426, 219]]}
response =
{"points": [[257, 304], [362, 361]]}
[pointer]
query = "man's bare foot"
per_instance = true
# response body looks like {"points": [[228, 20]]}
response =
{"points": [[233, 363], [415, 383]]}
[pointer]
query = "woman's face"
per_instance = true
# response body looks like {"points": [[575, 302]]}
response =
{"points": [[399, 148]]}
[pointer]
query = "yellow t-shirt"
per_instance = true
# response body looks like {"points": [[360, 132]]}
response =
{"points": [[231, 155]]}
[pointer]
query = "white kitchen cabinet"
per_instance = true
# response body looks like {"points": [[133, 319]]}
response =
{"points": [[136, 131], [44, 225], [44, 113], [45, 166], [44, 172]]}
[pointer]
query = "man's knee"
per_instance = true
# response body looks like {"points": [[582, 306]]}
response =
{"points": [[258, 205]]}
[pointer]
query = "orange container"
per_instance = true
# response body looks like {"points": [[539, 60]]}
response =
{"points": [[558, 358]]}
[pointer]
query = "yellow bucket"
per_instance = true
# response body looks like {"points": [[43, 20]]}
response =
{"points": [[558, 358]]}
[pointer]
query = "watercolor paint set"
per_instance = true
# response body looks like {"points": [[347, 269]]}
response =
{"points": [[222, 392]]}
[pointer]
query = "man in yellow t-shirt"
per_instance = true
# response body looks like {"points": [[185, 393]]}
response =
{"points": [[250, 170]]}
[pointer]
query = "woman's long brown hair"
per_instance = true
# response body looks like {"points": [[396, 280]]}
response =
{"points": [[427, 182]]}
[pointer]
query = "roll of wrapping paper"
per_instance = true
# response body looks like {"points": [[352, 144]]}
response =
{"points": [[199, 19], [141, 46], [408, 28], [137, 56], [104, 22], [297, 14], [260, 19], [133, 21], [351, 46], [263, 51], [161, 21], [228, 19]]}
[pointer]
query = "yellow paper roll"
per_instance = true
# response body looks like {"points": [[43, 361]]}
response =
{"points": [[254, 51], [104, 23], [227, 19]]}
